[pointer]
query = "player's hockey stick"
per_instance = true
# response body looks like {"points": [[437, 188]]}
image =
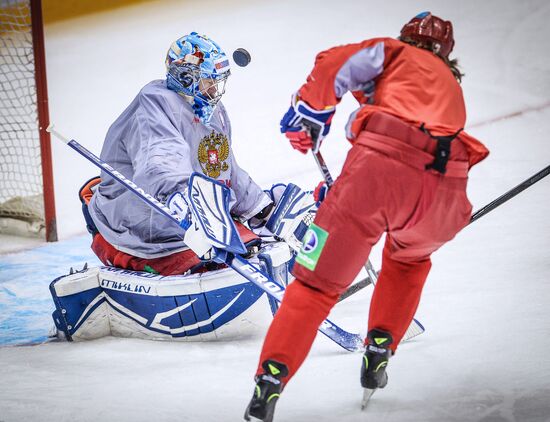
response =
{"points": [[510, 194], [354, 288], [230, 256], [416, 328]]}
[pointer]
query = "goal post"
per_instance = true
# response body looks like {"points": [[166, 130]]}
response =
{"points": [[27, 204]]}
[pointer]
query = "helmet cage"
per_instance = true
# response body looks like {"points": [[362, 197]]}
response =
{"points": [[205, 87]]}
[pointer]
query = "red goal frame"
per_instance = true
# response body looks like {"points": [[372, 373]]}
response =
{"points": [[43, 119]]}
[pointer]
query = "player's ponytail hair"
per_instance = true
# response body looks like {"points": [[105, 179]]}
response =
{"points": [[452, 64]]}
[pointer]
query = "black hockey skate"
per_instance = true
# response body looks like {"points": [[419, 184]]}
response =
{"points": [[267, 391], [375, 360]]}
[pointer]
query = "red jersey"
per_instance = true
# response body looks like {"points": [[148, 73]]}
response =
{"points": [[387, 75]]}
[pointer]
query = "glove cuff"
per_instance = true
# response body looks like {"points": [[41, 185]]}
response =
{"points": [[321, 117]]}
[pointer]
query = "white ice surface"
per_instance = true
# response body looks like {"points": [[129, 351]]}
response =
{"points": [[484, 356]]}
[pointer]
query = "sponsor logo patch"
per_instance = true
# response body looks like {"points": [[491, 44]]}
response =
{"points": [[314, 242]]}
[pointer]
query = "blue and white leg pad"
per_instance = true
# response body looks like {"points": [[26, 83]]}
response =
{"points": [[105, 301]]}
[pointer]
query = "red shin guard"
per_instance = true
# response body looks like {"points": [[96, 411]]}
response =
{"points": [[396, 295], [295, 325]]}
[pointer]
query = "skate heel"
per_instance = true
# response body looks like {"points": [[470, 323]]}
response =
{"points": [[266, 392]]}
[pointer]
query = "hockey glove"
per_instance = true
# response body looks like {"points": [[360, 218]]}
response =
{"points": [[304, 126], [275, 194], [292, 215], [320, 192]]}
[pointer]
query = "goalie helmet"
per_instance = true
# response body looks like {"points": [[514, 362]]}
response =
{"points": [[197, 68], [431, 31]]}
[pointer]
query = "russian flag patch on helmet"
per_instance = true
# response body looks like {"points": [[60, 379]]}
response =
{"points": [[221, 65]]}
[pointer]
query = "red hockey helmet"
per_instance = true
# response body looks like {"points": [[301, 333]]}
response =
{"points": [[429, 29]]}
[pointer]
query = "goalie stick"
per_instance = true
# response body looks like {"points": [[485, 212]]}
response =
{"points": [[416, 328], [225, 249]]}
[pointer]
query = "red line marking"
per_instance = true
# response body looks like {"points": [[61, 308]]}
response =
{"points": [[510, 115]]}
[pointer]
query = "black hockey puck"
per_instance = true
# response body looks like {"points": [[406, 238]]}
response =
{"points": [[241, 57]]}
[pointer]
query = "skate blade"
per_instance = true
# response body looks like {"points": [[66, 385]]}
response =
{"points": [[367, 393], [250, 418], [247, 414]]}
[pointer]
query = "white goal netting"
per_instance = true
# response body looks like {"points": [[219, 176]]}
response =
{"points": [[21, 185]]}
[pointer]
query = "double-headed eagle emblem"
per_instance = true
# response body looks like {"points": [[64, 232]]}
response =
{"points": [[213, 151]]}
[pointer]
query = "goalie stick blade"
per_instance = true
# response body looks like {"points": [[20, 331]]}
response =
{"points": [[349, 341], [415, 329]]}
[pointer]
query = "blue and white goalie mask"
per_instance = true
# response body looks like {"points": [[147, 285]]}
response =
{"points": [[197, 68]]}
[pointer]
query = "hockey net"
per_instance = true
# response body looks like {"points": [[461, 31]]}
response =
{"points": [[26, 185]]}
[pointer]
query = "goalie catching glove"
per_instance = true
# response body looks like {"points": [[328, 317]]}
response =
{"points": [[275, 194], [292, 215]]}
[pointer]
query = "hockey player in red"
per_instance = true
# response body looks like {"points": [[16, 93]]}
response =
{"points": [[405, 176]]}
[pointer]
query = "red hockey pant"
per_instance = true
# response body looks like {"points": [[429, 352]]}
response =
{"points": [[173, 264], [376, 192]]}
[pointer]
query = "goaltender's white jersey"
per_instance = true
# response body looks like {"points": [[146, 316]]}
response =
{"points": [[158, 142]]}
